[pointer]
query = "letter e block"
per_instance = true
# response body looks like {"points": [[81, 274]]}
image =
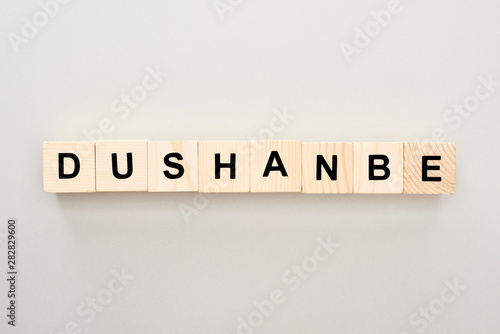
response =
{"points": [[378, 168], [173, 166], [276, 166], [223, 166], [327, 168], [429, 168], [122, 165], [68, 167]]}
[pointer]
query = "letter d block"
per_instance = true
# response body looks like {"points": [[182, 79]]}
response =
{"points": [[68, 167], [223, 166], [429, 168], [173, 166], [276, 166], [121, 165], [378, 168]]}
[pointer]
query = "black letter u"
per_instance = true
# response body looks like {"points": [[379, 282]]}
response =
{"points": [[130, 166]]}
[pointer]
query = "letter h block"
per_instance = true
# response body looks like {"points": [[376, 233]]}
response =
{"points": [[223, 166]]}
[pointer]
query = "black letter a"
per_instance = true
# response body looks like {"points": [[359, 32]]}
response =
{"points": [[269, 167]]}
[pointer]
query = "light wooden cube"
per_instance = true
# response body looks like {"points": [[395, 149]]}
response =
{"points": [[68, 167], [362, 183], [438, 175], [122, 178], [286, 154], [316, 179], [226, 178], [172, 166]]}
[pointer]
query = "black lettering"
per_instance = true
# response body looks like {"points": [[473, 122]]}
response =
{"points": [[372, 167], [130, 166], [219, 165], [321, 162], [426, 168], [280, 167], [172, 164], [75, 159]]}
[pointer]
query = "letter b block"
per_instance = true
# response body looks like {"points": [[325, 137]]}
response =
{"points": [[429, 168], [378, 168], [68, 167], [224, 166], [121, 165]]}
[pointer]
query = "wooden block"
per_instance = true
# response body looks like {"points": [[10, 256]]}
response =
{"points": [[223, 166], [122, 165], [327, 168], [276, 166], [68, 167], [386, 174], [429, 168], [172, 166]]}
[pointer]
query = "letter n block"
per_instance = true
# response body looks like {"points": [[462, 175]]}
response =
{"points": [[327, 168], [121, 165], [173, 166], [378, 168], [68, 167], [429, 168], [276, 166], [223, 166]]}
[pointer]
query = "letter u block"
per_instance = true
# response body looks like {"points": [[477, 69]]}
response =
{"points": [[122, 165], [68, 167], [378, 168], [223, 166]]}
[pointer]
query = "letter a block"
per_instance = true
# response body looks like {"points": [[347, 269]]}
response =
{"points": [[122, 165], [429, 168], [327, 168], [378, 168], [224, 166], [173, 166], [68, 167], [276, 166]]}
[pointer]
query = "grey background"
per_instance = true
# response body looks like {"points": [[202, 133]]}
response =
{"points": [[227, 77]]}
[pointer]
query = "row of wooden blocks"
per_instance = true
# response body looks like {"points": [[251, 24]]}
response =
{"points": [[249, 166]]}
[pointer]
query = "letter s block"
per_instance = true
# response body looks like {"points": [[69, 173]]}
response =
{"points": [[121, 165], [378, 168], [429, 168], [68, 167], [173, 166]]}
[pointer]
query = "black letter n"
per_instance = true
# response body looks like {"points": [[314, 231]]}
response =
{"points": [[321, 162]]}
